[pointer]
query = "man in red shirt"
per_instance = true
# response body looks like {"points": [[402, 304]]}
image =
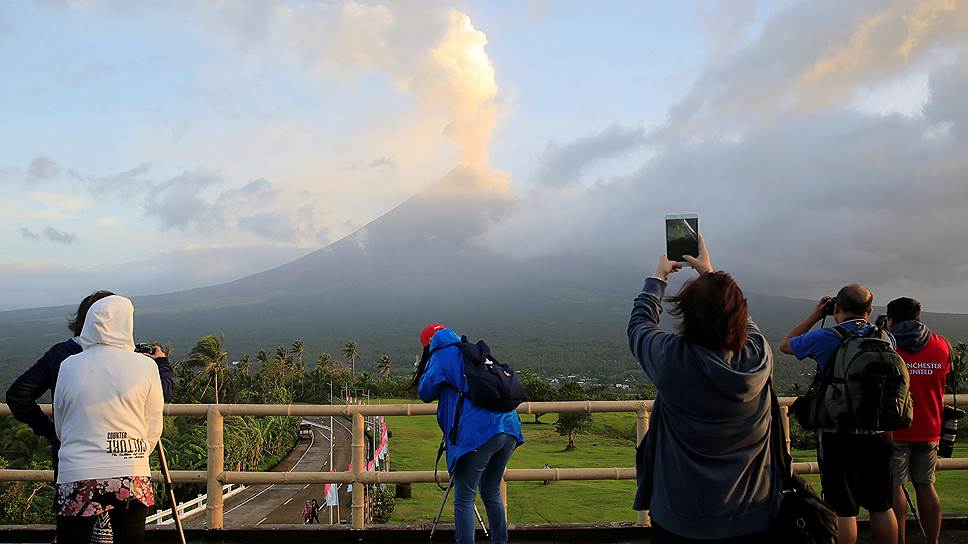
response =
{"points": [[928, 358]]}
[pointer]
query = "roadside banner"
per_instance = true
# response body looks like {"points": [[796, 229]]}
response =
{"points": [[332, 494]]}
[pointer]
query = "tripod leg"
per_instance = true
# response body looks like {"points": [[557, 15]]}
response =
{"points": [[166, 475], [914, 510], [481, 521], [440, 512]]}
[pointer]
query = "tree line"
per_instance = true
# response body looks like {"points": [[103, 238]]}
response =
{"points": [[282, 376]]}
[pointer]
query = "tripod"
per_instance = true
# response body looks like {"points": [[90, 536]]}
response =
{"points": [[166, 475], [440, 513]]}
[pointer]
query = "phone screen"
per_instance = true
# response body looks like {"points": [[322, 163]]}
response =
{"points": [[682, 237]]}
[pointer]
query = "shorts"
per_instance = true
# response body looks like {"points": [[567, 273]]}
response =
{"points": [[915, 462], [856, 472]]}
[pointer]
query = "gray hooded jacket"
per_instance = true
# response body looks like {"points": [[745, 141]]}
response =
{"points": [[712, 475]]}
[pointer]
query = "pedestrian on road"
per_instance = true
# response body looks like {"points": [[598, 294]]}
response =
{"points": [[315, 514], [307, 513]]}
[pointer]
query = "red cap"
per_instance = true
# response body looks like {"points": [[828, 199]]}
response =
{"points": [[428, 333]]}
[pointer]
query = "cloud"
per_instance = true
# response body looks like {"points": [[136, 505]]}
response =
{"points": [[270, 225], [811, 56], [564, 164], [178, 203], [65, 202], [798, 191], [59, 236], [50, 234], [384, 163], [437, 55], [33, 284], [42, 168], [29, 234], [127, 184]]}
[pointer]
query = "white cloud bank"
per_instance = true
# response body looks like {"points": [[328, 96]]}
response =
{"points": [[799, 192]]}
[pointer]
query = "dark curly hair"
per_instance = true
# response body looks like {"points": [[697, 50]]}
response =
{"points": [[713, 311], [76, 322]]}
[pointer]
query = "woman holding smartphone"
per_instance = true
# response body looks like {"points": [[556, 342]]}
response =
{"points": [[705, 469]]}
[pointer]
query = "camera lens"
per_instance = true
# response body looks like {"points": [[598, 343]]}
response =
{"points": [[949, 431]]}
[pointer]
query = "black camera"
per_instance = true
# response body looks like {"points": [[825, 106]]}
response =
{"points": [[949, 430], [881, 321], [144, 348], [830, 307]]}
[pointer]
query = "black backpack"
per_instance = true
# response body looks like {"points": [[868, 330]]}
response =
{"points": [[864, 388], [490, 384]]}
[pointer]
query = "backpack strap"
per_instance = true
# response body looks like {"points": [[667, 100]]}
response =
{"points": [[457, 414], [843, 333], [778, 440]]}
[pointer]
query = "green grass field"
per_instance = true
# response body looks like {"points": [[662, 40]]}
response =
{"points": [[611, 443]]}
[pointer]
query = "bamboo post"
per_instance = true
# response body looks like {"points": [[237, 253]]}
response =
{"points": [[359, 466], [642, 427], [786, 428], [215, 467]]}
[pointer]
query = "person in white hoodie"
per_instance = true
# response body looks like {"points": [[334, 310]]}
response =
{"points": [[108, 417]]}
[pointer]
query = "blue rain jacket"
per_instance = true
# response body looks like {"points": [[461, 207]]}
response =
{"points": [[442, 378]]}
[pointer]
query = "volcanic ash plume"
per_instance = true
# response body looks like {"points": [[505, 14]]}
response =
{"points": [[459, 78]]}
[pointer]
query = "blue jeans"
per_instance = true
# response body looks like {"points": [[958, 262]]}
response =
{"points": [[484, 468]]}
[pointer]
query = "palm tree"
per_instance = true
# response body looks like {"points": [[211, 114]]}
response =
{"points": [[351, 352], [243, 366], [384, 365], [208, 356], [298, 348]]}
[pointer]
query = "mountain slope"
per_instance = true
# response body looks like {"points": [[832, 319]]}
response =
{"points": [[418, 263]]}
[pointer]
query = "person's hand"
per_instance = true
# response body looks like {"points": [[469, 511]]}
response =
{"points": [[158, 353], [820, 310], [664, 268], [702, 264]]}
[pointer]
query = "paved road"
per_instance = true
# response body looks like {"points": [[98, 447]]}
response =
{"points": [[283, 503]]}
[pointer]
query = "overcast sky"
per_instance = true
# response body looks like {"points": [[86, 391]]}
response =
{"points": [[149, 148]]}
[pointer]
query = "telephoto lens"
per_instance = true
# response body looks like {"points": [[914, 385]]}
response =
{"points": [[949, 431]]}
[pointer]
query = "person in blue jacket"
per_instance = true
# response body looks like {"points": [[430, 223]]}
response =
{"points": [[485, 439]]}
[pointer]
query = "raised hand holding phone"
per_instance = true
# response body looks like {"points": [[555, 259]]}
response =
{"points": [[702, 264], [665, 268]]}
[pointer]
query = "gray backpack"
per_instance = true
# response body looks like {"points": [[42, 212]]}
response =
{"points": [[867, 386]]}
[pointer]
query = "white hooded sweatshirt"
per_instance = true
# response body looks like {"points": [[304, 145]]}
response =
{"points": [[108, 401]]}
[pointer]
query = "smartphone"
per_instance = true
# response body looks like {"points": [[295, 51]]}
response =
{"points": [[682, 236]]}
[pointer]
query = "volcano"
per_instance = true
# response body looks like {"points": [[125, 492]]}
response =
{"points": [[421, 262]]}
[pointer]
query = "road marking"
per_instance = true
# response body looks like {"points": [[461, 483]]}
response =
{"points": [[311, 443], [287, 502], [312, 440]]}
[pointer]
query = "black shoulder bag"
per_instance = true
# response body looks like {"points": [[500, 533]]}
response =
{"points": [[803, 518]]}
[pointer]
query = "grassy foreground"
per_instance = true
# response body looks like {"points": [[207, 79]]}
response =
{"points": [[611, 443]]}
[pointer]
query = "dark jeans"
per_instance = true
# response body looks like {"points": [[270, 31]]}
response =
{"points": [[661, 536], [482, 468], [128, 524]]}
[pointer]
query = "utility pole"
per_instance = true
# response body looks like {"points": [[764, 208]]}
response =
{"points": [[331, 454]]}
